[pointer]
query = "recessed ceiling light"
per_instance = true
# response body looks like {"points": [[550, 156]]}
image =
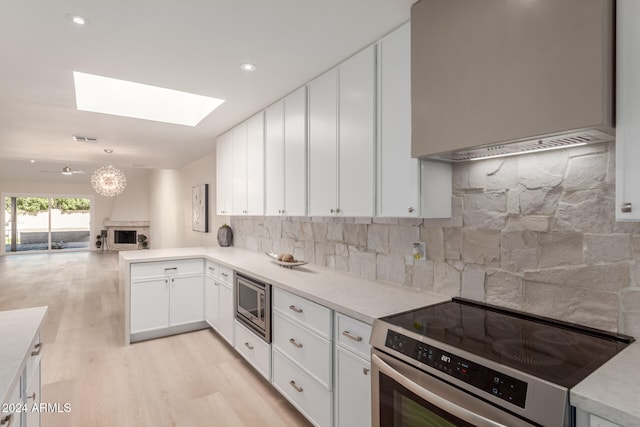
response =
{"points": [[76, 19], [108, 150], [123, 98], [32, 161], [247, 67]]}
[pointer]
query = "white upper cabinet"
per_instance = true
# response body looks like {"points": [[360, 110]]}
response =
{"points": [[239, 169], [342, 139], [357, 130], [224, 180], [323, 144], [255, 165], [286, 156], [398, 172], [248, 167], [628, 111]]}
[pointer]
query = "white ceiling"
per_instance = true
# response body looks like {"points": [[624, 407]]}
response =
{"points": [[194, 46]]}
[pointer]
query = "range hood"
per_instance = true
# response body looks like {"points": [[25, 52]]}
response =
{"points": [[501, 77]]}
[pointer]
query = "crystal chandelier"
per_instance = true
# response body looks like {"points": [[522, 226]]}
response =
{"points": [[108, 181]]}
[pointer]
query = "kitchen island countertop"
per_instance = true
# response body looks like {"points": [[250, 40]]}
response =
{"points": [[612, 392], [18, 328]]}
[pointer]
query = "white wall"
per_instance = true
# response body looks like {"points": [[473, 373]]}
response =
{"points": [[170, 205], [133, 203]]}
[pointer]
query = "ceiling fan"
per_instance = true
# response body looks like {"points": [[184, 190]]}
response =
{"points": [[66, 170]]}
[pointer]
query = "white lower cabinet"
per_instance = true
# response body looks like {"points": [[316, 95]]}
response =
{"points": [[253, 349], [352, 372], [302, 355], [305, 393], [353, 389], [218, 300], [166, 294], [595, 421]]}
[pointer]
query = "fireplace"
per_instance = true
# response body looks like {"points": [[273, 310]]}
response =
{"points": [[124, 236]]}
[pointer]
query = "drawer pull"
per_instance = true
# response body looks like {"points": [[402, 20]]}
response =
{"points": [[36, 349], [32, 397], [166, 270], [297, 387], [7, 420], [211, 268], [249, 346], [295, 309], [351, 337], [295, 343], [365, 371], [224, 274]]}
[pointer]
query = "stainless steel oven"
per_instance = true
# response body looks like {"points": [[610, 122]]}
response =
{"points": [[253, 305], [463, 363]]}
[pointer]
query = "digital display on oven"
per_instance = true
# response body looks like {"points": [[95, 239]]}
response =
{"points": [[507, 388]]}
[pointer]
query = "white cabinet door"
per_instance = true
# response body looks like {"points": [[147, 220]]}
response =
{"points": [[274, 159], [33, 396], [323, 144], [239, 169], [210, 301], [186, 305], [398, 173], [226, 312], [149, 304], [628, 111], [255, 165], [224, 180], [353, 390], [357, 144], [295, 153]]}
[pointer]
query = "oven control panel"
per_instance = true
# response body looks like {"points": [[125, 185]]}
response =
{"points": [[493, 382]]}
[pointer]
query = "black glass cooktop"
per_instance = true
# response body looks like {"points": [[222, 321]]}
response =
{"points": [[559, 352]]}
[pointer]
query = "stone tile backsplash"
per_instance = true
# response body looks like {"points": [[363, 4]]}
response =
{"points": [[534, 232]]}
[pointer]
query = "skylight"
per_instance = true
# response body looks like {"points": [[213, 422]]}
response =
{"points": [[123, 98]]}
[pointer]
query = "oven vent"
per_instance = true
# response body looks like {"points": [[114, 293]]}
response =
{"points": [[526, 146]]}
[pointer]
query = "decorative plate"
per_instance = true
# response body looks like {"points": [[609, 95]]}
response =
{"points": [[292, 264]]}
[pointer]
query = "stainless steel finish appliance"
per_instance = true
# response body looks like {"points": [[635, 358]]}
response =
{"points": [[463, 363], [253, 305], [508, 76]]}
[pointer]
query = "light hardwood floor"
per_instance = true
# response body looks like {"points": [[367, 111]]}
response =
{"points": [[192, 379]]}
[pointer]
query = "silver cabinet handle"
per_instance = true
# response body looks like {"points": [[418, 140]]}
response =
{"points": [[224, 274], [166, 270], [166, 281], [351, 337], [411, 210], [32, 397], [295, 343], [332, 210], [297, 387], [295, 309], [36, 349], [211, 268], [249, 346], [7, 420], [338, 210], [365, 371], [626, 207]]}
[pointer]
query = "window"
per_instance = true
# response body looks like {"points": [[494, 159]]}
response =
{"points": [[47, 223]]}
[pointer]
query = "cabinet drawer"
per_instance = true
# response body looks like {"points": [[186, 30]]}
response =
{"points": [[163, 268], [226, 274], [309, 350], [254, 350], [311, 399], [212, 269], [33, 360], [314, 316], [353, 334]]}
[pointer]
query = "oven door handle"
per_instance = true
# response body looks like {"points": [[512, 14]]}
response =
{"points": [[431, 397]]}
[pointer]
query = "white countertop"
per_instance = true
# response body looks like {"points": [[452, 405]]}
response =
{"points": [[18, 328], [359, 298], [613, 391]]}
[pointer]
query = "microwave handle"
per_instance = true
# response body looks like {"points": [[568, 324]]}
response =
{"points": [[433, 398]]}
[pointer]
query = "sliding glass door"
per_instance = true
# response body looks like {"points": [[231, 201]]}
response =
{"points": [[45, 223]]}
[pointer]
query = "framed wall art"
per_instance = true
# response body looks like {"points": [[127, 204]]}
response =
{"points": [[200, 208]]}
